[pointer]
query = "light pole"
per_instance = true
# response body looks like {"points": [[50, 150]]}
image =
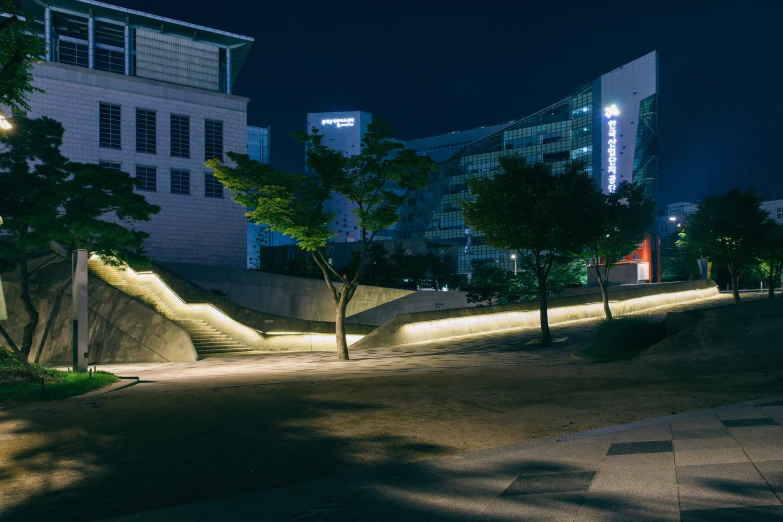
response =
{"points": [[514, 257]]}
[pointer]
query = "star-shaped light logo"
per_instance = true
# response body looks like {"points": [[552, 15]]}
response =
{"points": [[612, 110]]}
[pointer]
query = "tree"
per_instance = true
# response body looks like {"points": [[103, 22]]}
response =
{"points": [[46, 199], [524, 286], [541, 216], [770, 262], [621, 222], [730, 228], [488, 283], [20, 48], [296, 204]]}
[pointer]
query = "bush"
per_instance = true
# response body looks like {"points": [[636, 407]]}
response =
{"points": [[16, 384], [625, 338]]}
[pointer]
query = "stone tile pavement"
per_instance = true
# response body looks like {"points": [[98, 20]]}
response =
{"points": [[719, 464]]}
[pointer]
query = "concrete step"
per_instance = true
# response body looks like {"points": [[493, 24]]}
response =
{"points": [[223, 352], [232, 344]]}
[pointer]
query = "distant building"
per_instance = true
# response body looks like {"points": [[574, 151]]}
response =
{"points": [[342, 131], [775, 209], [610, 123], [153, 97], [258, 149]]}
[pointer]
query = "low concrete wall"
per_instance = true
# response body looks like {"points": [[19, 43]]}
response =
{"points": [[260, 321], [285, 296], [428, 326], [415, 302], [121, 329]]}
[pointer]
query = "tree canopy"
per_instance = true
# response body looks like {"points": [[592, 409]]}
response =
{"points": [[20, 48], [376, 181], [542, 216], [730, 228]]}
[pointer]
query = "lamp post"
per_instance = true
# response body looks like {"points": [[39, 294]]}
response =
{"points": [[514, 257]]}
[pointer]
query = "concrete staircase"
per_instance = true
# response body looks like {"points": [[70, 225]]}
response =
{"points": [[147, 287]]}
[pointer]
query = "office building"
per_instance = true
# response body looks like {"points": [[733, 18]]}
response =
{"points": [[775, 209], [153, 97], [610, 124]]}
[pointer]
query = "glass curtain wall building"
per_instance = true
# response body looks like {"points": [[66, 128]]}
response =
{"points": [[610, 124]]}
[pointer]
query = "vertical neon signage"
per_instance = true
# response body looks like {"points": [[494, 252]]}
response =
{"points": [[611, 112]]}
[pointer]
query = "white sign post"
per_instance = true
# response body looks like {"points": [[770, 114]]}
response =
{"points": [[79, 297]]}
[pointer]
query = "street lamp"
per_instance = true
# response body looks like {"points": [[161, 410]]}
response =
{"points": [[672, 218], [514, 257], [4, 123]]}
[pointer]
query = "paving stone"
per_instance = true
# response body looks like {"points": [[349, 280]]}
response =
{"points": [[743, 423], [661, 431], [716, 450], [756, 514], [722, 486], [772, 471], [700, 433], [548, 506], [630, 448], [702, 421], [651, 504], [550, 483], [768, 404]]}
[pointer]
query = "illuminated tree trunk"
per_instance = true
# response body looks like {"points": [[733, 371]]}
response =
{"points": [[339, 325], [604, 284]]}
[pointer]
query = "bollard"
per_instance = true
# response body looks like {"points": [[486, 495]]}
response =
{"points": [[90, 373]]}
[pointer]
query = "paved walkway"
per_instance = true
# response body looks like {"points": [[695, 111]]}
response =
{"points": [[712, 465]]}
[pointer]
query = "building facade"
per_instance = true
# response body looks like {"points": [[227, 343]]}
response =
{"points": [[153, 97], [775, 209], [610, 124]]}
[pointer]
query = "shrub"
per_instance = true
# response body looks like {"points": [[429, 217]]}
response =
{"points": [[626, 337]]}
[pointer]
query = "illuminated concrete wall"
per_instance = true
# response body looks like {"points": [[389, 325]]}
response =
{"points": [[121, 329], [430, 326]]}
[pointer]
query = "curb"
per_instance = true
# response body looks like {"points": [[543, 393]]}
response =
{"points": [[124, 382]]}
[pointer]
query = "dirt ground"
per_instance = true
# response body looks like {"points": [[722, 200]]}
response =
{"points": [[129, 452]]}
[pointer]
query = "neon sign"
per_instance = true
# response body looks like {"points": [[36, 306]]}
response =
{"points": [[611, 112], [340, 122]]}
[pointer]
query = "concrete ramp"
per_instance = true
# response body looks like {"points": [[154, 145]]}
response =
{"points": [[430, 326]]}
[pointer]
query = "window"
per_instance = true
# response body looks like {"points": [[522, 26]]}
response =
{"points": [[109, 58], [212, 187], [780, 213], [411, 202], [148, 177], [557, 156], [146, 131], [109, 126], [180, 182], [180, 136], [72, 51], [213, 139], [113, 165]]}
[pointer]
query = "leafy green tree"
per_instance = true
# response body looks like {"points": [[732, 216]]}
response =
{"points": [[770, 262], [730, 228], [542, 216], [20, 48], [524, 286], [296, 204], [621, 222], [47, 199], [488, 283]]}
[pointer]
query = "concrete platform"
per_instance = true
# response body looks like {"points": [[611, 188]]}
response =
{"points": [[718, 464]]}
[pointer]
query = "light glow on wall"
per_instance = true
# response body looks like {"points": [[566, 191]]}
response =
{"points": [[339, 122], [611, 112]]}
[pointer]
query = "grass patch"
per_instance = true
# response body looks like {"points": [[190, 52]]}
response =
{"points": [[625, 338], [16, 384]]}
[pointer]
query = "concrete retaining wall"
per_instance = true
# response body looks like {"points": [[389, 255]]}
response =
{"points": [[284, 296], [121, 329], [428, 326]]}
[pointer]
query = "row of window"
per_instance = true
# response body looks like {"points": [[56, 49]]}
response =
{"points": [[110, 132], [180, 180]]}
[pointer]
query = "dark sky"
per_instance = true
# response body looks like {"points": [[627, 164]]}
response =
{"points": [[434, 67]]}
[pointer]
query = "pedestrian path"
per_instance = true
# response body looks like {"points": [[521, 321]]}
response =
{"points": [[712, 465]]}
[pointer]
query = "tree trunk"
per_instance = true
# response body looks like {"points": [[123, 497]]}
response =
{"points": [[771, 287], [546, 335], [735, 288], [605, 298], [32, 313], [19, 355], [339, 326]]}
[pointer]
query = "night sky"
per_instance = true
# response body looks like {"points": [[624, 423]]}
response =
{"points": [[459, 65]]}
